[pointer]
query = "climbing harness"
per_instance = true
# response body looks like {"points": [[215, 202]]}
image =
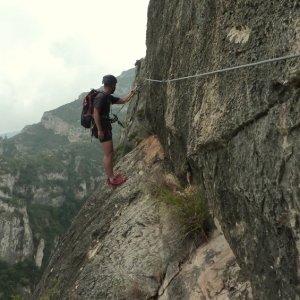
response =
{"points": [[115, 119]]}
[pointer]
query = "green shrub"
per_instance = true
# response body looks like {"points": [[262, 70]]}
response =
{"points": [[140, 114], [132, 136], [17, 297], [136, 291], [5, 189], [24, 272], [135, 138], [53, 291], [186, 205]]}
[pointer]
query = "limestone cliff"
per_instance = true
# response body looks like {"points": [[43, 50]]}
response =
{"points": [[238, 130], [61, 127], [15, 234], [131, 247], [239, 134]]}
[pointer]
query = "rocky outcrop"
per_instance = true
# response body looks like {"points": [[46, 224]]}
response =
{"points": [[124, 85], [133, 248], [51, 121], [16, 238], [238, 130], [7, 184], [210, 273], [40, 253], [137, 126]]}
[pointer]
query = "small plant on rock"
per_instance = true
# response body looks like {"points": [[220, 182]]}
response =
{"points": [[53, 291], [136, 292], [17, 297], [186, 205], [140, 114], [134, 137]]}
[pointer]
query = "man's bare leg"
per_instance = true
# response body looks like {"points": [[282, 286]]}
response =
{"points": [[108, 158]]}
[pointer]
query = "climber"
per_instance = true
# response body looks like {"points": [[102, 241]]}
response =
{"points": [[102, 128]]}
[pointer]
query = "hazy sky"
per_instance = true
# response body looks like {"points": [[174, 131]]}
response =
{"points": [[53, 50]]}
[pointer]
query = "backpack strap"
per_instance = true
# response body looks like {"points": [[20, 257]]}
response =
{"points": [[95, 93]]}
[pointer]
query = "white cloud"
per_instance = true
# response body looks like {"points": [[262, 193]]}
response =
{"points": [[51, 51]]}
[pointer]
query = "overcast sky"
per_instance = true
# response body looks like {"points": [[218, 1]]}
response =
{"points": [[53, 50]]}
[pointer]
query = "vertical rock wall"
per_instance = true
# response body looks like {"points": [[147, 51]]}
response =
{"points": [[16, 240], [238, 130]]}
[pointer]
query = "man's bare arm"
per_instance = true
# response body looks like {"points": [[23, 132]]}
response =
{"points": [[125, 99]]}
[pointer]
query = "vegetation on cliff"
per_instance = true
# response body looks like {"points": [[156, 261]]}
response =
{"points": [[187, 205]]}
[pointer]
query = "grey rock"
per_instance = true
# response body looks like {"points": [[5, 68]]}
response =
{"points": [[131, 247], [239, 133], [16, 240], [238, 130]]}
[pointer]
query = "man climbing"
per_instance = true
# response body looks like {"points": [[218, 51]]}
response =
{"points": [[102, 128]]}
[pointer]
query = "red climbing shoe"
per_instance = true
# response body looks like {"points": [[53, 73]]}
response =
{"points": [[117, 182], [117, 175]]}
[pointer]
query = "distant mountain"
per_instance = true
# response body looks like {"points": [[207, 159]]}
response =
{"points": [[9, 134], [47, 172]]}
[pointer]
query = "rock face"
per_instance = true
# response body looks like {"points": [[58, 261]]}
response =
{"points": [[132, 248], [238, 130], [16, 240], [137, 126], [60, 127], [7, 182], [40, 253], [238, 133]]}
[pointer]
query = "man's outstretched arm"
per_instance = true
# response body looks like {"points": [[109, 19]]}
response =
{"points": [[125, 99]]}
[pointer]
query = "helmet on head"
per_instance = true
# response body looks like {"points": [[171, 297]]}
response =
{"points": [[109, 79]]}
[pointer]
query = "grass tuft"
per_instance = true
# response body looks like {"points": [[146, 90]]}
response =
{"points": [[136, 292], [186, 205]]}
